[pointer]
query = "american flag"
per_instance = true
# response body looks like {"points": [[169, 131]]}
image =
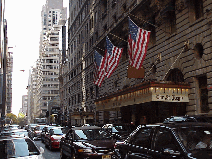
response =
{"points": [[113, 56], [138, 40], [99, 68]]}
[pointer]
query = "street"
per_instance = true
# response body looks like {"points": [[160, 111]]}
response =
{"points": [[55, 154]]}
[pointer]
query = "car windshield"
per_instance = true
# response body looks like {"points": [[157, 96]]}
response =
{"points": [[58, 132], [195, 138], [17, 148], [39, 127], [50, 127], [92, 134]]}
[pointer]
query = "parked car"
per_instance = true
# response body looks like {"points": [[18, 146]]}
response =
{"points": [[87, 142], [36, 132], [187, 140], [20, 132], [13, 127], [44, 131], [19, 147], [52, 139], [122, 130], [186, 118], [30, 130]]}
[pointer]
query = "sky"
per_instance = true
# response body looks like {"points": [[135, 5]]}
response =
{"points": [[23, 30]]}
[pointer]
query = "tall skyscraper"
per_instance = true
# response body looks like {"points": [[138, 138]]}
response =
{"points": [[47, 81]]}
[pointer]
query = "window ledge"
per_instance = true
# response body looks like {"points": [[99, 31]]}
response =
{"points": [[196, 21]]}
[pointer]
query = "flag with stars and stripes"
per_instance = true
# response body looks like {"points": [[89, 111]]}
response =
{"points": [[113, 56], [99, 68], [138, 40]]}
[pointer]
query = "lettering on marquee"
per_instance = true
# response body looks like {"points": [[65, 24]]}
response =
{"points": [[169, 97]]}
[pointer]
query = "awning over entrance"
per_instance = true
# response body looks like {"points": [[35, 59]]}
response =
{"points": [[145, 92], [84, 115]]}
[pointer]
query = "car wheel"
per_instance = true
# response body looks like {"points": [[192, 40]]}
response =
{"points": [[50, 145], [45, 144], [73, 155]]}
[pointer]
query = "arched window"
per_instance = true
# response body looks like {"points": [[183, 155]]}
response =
{"points": [[175, 76]]}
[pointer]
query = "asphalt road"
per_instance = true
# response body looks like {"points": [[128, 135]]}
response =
{"points": [[54, 154]]}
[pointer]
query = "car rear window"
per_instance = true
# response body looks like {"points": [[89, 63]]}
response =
{"points": [[17, 148]]}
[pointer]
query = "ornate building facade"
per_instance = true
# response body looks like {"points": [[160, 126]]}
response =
{"points": [[177, 65]]}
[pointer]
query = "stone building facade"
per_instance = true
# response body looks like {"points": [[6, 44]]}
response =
{"points": [[178, 61]]}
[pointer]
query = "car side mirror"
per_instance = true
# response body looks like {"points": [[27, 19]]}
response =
{"points": [[171, 152], [41, 150]]}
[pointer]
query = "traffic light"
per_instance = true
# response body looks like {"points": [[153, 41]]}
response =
{"points": [[47, 114]]}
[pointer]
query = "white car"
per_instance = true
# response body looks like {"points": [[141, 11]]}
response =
{"points": [[19, 147], [13, 127], [20, 132]]}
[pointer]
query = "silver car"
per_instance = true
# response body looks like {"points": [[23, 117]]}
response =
{"points": [[19, 147]]}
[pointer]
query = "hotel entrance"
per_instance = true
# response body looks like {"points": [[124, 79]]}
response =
{"points": [[148, 102], [151, 112]]}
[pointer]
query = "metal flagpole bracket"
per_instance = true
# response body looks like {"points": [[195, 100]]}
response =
{"points": [[187, 44]]}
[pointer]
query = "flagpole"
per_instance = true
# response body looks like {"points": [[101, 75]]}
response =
{"points": [[149, 70], [118, 37], [99, 48], [150, 23], [184, 46]]}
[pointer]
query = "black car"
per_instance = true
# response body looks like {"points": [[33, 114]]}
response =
{"points": [[30, 130], [36, 132], [44, 131], [186, 118], [87, 142], [179, 140]]}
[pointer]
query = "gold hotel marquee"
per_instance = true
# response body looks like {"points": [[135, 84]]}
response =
{"points": [[145, 92]]}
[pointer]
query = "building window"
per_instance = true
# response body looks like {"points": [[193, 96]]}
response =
{"points": [[96, 36], [115, 18], [198, 51], [92, 93], [168, 14], [105, 27], [114, 3], [96, 17], [196, 10], [72, 100], [97, 91], [203, 93], [175, 76], [75, 99], [79, 98], [87, 94], [91, 76]]}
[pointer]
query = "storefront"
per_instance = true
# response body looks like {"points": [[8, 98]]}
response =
{"points": [[81, 118], [148, 102]]}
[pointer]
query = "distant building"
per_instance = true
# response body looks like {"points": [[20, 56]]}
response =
{"points": [[9, 80], [47, 66], [3, 61], [24, 104]]}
